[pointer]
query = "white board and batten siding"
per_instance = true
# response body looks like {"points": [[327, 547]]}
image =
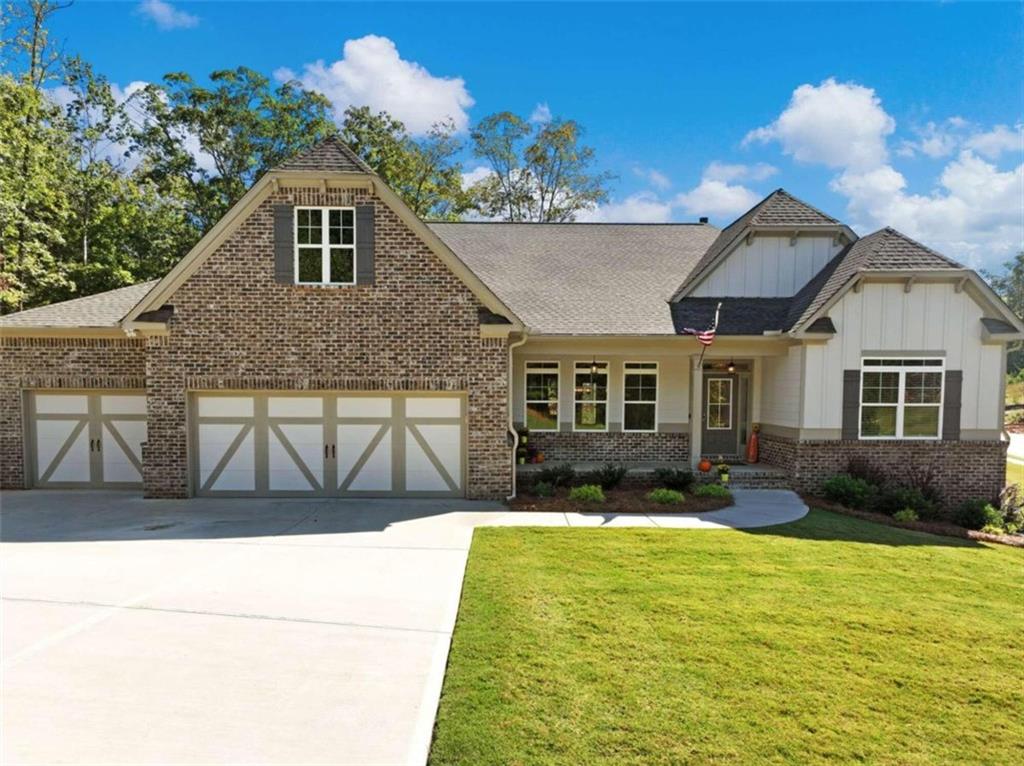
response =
{"points": [[768, 267], [882, 317], [780, 388]]}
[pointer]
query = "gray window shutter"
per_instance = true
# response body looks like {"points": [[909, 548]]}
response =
{"points": [[851, 404], [951, 405], [364, 244], [284, 244]]}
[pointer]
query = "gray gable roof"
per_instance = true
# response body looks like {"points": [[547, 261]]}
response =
{"points": [[780, 208], [582, 278], [738, 316], [884, 250], [331, 154], [99, 310]]}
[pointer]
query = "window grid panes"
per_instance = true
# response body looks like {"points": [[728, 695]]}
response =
{"points": [[640, 396], [325, 240], [541, 396], [719, 417], [590, 405], [901, 399]]}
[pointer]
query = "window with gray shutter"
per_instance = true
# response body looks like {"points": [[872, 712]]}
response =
{"points": [[364, 245], [951, 405], [851, 404], [284, 245]]}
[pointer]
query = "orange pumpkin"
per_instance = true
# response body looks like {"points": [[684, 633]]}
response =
{"points": [[704, 465]]}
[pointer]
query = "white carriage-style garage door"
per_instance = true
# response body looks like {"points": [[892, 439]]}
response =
{"points": [[329, 445], [83, 439]]}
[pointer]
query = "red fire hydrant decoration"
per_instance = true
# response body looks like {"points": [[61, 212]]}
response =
{"points": [[752, 446]]}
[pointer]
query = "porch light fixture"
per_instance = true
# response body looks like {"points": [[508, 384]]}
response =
{"points": [[593, 369], [732, 366]]}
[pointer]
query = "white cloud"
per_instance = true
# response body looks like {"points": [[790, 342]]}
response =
{"points": [[1000, 139], [721, 171], [371, 73], [976, 215], [166, 16], [935, 140], [717, 199], [642, 207], [477, 174], [654, 177], [841, 125], [541, 114]]}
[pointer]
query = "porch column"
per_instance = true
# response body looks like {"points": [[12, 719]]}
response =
{"points": [[756, 376], [696, 409]]}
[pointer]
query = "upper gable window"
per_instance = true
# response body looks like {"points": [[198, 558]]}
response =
{"points": [[325, 245]]}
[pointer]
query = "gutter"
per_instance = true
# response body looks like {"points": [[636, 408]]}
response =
{"points": [[511, 427]]}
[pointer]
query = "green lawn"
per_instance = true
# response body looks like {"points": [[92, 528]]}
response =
{"points": [[828, 640]]}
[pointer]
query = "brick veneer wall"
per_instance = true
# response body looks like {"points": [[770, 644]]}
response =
{"points": [[64, 363], [612, 446], [962, 470], [415, 329]]}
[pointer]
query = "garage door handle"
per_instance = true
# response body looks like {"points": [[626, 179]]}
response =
{"points": [[92, 447], [327, 451], [333, 452], [98, 447]]}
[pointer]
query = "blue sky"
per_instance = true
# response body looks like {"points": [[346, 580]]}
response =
{"points": [[908, 115]]}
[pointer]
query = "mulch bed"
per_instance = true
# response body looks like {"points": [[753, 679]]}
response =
{"points": [[617, 501], [932, 527]]}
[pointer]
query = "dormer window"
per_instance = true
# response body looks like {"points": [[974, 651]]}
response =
{"points": [[325, 245]]}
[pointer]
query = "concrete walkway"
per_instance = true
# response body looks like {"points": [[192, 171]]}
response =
{"points": [[245, 631]]}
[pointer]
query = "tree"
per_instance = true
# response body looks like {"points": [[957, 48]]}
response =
{"points": [[1010, 286], [208, 145], [541, 174], [424, 172]]}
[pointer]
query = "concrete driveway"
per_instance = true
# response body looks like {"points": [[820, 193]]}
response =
{"points": [[216, 631]]}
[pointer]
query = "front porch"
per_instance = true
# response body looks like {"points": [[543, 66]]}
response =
{"points": [[641, 473]]}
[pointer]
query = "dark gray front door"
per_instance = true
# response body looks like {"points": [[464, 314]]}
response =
{"points": [[720, 416]]}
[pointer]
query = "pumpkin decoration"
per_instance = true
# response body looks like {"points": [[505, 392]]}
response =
{"points": [[704, 465]]}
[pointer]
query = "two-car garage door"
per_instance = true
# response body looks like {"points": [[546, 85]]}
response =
{"points": [[335, 444]]}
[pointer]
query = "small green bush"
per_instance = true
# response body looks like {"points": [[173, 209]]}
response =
{"points": [[543, 489], [560, 475], [891, 499], [907, 514], [665, 496], [587, 493], [846, 490], [678, 479], [712, 490], [1014, 417], [608, 476], [978, 514]]}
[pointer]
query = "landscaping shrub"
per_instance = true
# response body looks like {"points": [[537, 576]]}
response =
{"points": [[712, 490], [848, 490], [561, 475], [907, 514], [1014, 417], [1011, 503], [543, 489], [862, 468], [978, 514], [608, 476], [665, 496], [587, 493], [678, 479], [889, 500]]}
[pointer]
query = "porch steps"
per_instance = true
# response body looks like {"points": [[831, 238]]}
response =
{"points": [[754, 477]]}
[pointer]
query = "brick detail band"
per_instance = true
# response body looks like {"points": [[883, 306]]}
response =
{"points": [[612, 446]]}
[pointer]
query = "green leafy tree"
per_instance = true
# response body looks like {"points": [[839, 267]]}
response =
{"points": [[423, 172], [1010, 286], [207, 145], [539, 174]]}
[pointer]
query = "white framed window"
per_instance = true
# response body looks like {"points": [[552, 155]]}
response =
{"points": [[541, 409], [640, 396], [590, 396], [719, 413], [901, 398], [325, 245]]}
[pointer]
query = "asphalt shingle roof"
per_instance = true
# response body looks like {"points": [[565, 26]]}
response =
{"points": [[582, 278], [99, 310], [780, 208], [738, 316], [331, 154]]}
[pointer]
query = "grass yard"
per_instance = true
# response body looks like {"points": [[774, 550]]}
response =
{"points": [[828, 640]]}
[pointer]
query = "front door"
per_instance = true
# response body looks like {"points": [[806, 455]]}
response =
{"points": [[721, 430]]}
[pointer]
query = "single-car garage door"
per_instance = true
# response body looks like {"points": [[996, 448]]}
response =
{"points": [[329, 445], [86, 438]]}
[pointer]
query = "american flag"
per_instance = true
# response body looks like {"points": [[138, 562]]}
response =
{"points": [[705, 337]]}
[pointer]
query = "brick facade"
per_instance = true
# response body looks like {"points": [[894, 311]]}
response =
{"points": [[612, 446], [415, 329], [60, 363], [962, 470]]}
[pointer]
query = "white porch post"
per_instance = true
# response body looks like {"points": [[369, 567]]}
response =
{"points": [[756, 376], [696, 408]]}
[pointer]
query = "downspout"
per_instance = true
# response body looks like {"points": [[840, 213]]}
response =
{"points": [[511, 426]]}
